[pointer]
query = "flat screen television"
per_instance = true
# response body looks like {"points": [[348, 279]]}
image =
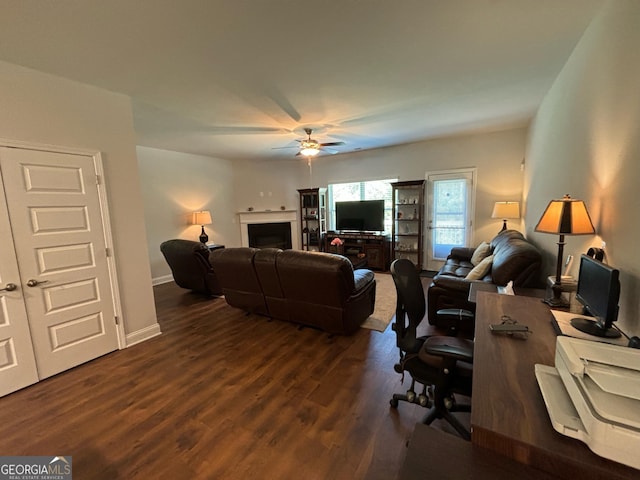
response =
{"points": [[599, 293], [360, 216]]}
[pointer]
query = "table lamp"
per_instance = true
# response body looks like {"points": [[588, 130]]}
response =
{"points": [[202, 218], [564, 217], [506, 210]]}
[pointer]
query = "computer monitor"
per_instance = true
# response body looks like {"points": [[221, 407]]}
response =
{"points": [[599, 293]]}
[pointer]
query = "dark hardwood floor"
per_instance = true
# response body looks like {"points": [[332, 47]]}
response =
{"points": [[221, 394]]}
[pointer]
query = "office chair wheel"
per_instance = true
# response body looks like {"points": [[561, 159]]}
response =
{"points": [[411, 396], [393, 402], [423, 400]]}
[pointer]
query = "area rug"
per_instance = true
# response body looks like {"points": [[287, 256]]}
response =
{"points": [[385, 304]]}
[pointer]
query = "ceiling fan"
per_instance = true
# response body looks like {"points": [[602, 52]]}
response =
{"points": [[310, 147]]}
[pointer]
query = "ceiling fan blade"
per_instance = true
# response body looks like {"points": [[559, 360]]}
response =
{"points": [[280, 148], [329, 150], [331, 144]]}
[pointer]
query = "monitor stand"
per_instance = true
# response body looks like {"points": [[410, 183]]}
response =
{"points": [[593, 328]]}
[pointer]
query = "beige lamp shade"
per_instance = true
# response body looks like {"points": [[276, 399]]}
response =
{"points": [[202, 218], [567, 216], [564, 217], [506, 210]]}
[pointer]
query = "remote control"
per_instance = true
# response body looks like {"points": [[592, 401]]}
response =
{"points": [[508, 328]]}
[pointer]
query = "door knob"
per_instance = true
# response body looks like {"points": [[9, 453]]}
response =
{"points": [[34, 283], [10, 287]]}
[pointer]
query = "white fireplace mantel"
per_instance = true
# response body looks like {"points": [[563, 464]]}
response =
{"points": [[269, 216]]}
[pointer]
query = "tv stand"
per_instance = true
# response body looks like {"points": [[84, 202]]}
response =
{"points": [[374, 247]]}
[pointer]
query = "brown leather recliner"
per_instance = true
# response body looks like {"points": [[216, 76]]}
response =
{"points": [[323, 290], [264, 262], [310, 288], [189, 263], [514, 259], [238, 278]]}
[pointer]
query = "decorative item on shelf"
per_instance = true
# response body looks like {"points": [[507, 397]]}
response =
{"points": [[506, 210], [249, 209], [337, 242], [282, 207], [202, 218], [400, 215], [564, 217]]}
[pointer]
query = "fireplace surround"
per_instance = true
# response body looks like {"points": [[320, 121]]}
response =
{"points": [[269, 217]]}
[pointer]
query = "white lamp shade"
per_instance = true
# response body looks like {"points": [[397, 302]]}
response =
{"points": [[506, 210], [202, 218]]}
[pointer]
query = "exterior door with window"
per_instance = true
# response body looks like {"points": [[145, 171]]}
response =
{"points": [[450, 206]]}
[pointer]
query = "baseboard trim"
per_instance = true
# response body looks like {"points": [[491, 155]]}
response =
{"points": [[161, 280], [143, 334]]}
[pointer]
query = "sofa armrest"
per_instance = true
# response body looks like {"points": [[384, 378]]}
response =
{"points": [[462, 253], [452, 283], [362, 278]]}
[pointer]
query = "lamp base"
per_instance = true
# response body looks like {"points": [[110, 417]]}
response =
{"points": [[556, 300], [204, 238]]}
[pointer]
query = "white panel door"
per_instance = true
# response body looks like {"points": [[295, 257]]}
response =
{"points": [[56, 220], [17, 363]]}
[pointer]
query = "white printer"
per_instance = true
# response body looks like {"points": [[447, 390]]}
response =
{"points": [[593, 395]]}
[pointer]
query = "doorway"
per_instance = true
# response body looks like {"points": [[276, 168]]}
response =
{"points": [[57, 290], [450, 205]]}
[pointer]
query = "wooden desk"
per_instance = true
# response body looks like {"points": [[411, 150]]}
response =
{"points": [[508, 414], [429, 446]]}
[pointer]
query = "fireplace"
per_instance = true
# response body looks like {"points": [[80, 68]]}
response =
{"points": [[270, 217], [270, 235]]}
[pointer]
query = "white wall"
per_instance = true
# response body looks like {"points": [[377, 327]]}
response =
{"points": [[45, 109], [584, 141], [176, 184], [268, 185]]}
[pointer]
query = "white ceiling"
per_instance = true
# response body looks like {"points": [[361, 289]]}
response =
{"points": [[238, 78]]}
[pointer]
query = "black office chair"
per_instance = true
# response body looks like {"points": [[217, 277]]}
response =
{"points": [[442, 364]]}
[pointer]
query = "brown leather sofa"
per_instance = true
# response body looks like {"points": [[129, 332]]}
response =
{"points": [[189, 263], [514, 259], [317, 289]]}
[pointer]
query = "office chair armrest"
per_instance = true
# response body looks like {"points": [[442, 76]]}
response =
{"points": [[449, 347]]}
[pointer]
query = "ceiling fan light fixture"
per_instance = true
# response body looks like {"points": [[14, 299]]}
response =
{"points": [[309, 148]]}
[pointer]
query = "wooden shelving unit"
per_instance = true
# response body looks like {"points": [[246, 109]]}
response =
{"points": [[313, 218], [408, 221]]}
